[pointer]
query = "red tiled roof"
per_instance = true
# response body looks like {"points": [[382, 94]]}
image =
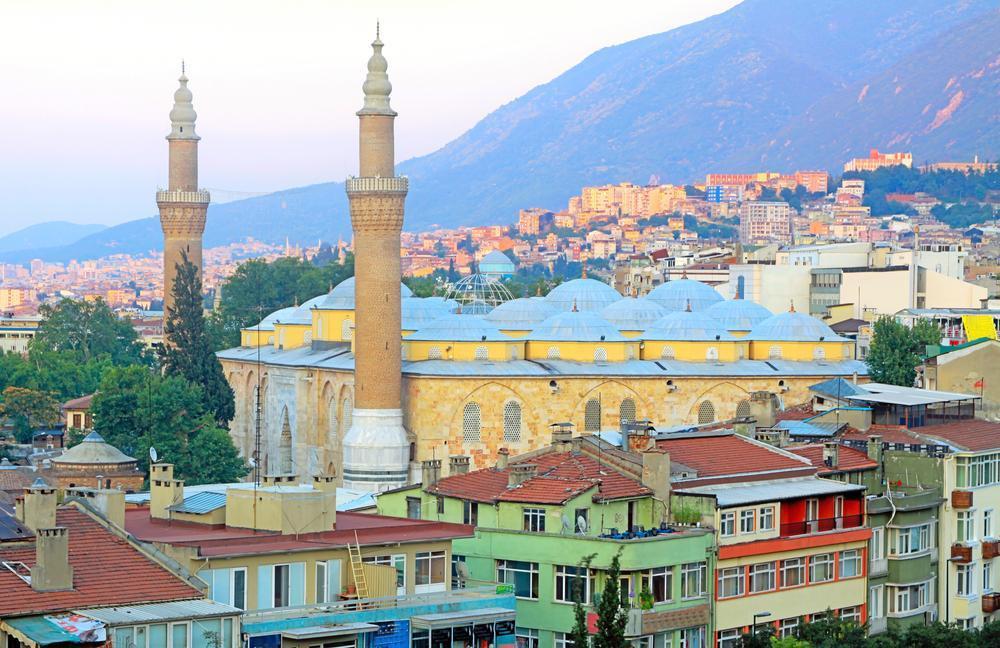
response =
{"points": [[848, 458], [889, 434], [218, 540], [106, 571], [82, 402], [715, 455], [491, 485], [547, 490], [967, 434], [795, 413]]}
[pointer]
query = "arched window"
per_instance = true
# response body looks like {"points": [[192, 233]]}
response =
{"points": [[712, 353], [512, 422], [348, 413], [592, 416], [706, 412], [774, 353], [667, 353], [626, 412], [285, 444], [741, 285], [600, 354], [743, 409], [434, 353], [482, 353], [471, 423], [346, 329], [553, 353], [819, 353]]}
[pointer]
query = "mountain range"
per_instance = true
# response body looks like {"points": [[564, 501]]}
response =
{"points": [[768, 85]]}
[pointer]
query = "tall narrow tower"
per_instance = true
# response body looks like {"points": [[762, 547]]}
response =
{"points": [[182, 206], [376, 448]]}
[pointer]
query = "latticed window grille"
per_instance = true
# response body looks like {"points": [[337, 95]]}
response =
{"points": [[347, 329], [667, 353], [592, 416], [331, 412], [348, 413], [600, 354], [774, 353], [472, 423], [553, 353], [512, 422], [706, 412], [743, 409], [308, 337], [626, 412], [482, 353], [434, 353]]}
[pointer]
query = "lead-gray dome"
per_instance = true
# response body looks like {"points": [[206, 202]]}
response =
{"points": [[342, 296], [576, 326], [793, 327], [738, 314], [280, 315], [688, 326], [631, 314], [459, 328], [418, 312], [679, 294], [583, 295], [93, 450], [303, 313], [521, 314]]}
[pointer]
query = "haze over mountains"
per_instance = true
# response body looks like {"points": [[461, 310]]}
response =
{"points": [[770, 84]]}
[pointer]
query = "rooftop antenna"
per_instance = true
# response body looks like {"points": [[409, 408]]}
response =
{"points": [[183, 71]]}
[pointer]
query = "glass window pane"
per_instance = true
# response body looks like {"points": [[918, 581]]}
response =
{"points": [[179, 635], [123, 637], [158, 636], [205, 634]]}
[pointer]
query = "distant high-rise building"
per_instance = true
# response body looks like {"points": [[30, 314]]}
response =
{"points": [[765, 222], [876, 160]]}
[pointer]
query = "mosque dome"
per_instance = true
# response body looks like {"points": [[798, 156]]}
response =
{"points": [[687, 326], [793, 327], [280, 315], [303, 314], [92, 450], [582, 294], [576, 326], [738, 314], [520, 314], [342, 296], [631, 314], [679, 294], [458, 328], [478, 293], [418, 312]]}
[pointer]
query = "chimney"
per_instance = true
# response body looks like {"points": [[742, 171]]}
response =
{"points": [[875, 448], [656, 476], [325, 482], [503, 456], [831, 454], [520, 473], [110, 503], [39, 510], [430, 472], [458, 465], [639, 440], [279, 479], [562, 435], [164, 490], [763, 408], [52, 571]]}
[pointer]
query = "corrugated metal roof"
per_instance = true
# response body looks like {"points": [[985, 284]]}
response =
{"points": [[155, 612], [200, 503], [773, 490], [897, 395], [805, 429]]}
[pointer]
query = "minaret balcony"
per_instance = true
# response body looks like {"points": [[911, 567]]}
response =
{"points": [[395, 184], [174, 196]]}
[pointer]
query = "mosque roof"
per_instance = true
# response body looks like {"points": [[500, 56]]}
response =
{"points": [[792, 326], [689, 326], [496, 258], [303, 313], [342, 296], [93, 450], [738, 314], [453, 327], [576, 326], [678, 294], [521, 314], [631, 314], [583, 294], [418, 312], [267, 324]]}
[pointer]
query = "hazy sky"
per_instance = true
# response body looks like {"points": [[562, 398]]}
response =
{"points": [[88, 85]]}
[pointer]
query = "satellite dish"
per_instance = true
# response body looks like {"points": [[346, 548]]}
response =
{"points": [[153, 456], [581, 524], [463, 571], [565, 523]]}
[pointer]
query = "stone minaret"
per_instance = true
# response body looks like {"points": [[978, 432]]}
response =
{"points": [[376, 448], [182, 206]]}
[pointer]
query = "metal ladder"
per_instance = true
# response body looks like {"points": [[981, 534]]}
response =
{"points": [[357, 569]]}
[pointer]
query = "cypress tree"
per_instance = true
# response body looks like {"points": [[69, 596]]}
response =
{"points": [[188, 350], [611, 614]]}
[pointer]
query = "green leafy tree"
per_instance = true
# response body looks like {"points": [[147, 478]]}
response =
{"points": [[612, 617], [896, 350], [788, 642], [189, 352], [579, 635], [29, 410], [832, 632], [88, 330]]}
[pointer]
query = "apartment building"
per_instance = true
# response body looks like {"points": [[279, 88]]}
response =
{"points": [[765, 222], [877, 160]]}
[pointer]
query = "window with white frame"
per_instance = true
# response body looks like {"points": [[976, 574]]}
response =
{"points": [[765, 521], [910, 540], [988, 523], [321, 582], [470, 513], [876, 546], [562, 640], [793, 572], [747, 521], [851, 614], [731, 582], [727, 523], [965, 580], [227, 586], [572, 581], [762, 577], [526, 637], [534, 520], [987, 576], [692, 638], [876, 604], [729, 638], [693, 580], [966, 531], [660, 583], [908, 598], [850, 563], [968, 623], [982, 470], [522, 575], [787, 627], [820, 568], [430, 571], [641, 642]]}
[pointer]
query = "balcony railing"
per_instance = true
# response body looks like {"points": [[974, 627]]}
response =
{"points": [[183, 196], [991, 603], [397, 184], [961, 553], [822, 525]]}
